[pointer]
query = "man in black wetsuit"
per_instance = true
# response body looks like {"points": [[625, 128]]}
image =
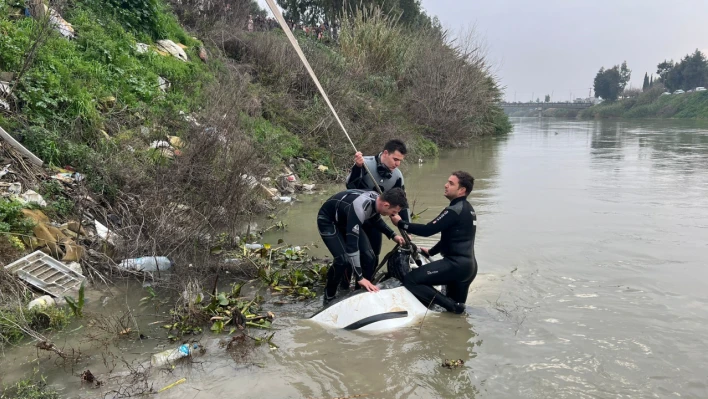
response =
{"points": [[384, 173], [457, 224], [340, 222]]}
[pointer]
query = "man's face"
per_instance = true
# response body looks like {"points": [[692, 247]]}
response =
{"points": [[453, 189], [385, 209], [392, 159]]}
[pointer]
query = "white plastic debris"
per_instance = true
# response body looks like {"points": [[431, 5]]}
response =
{"points": [[286, 200], [15, 188], [147, 264], [103, 232], [141, 48], [5, 170], [163, 84], [308, 187], [171, 47], [171, 355], [32, 197], [44, 301], [63, 27], [160, 144], [254, 246], [75, 266]]}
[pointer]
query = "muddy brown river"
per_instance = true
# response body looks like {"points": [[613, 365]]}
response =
{"points": [[592, 245]]}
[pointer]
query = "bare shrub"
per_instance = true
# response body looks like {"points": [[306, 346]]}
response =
{"points": [[450, 88], [206, 190], [204, 15]]}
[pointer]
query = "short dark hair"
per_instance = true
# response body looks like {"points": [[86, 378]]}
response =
{"points": [[395, 145], [395, 197], [466, 180]]}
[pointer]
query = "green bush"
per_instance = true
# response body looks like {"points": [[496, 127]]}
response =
{"points": [[12, 220], [425, 147], [29, 389], [274, 141]]}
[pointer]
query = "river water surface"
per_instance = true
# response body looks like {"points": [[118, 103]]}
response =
{"points": [[592, 245]]}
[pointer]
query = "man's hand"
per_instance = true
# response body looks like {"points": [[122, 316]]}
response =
{"points": [[400, 240], [425, 251], [395, 219], [359, 159], [367, 284]]}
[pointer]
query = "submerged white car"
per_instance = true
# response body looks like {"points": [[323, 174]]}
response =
{"points": [[679, 91], [700, 89]]}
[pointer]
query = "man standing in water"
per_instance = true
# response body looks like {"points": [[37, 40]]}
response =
{"points": [[384, 172], [457, 269], [340, 221]]}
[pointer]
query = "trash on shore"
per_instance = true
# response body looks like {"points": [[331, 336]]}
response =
{"points": [[171, 355], [46, 273], [44, 301], [147, 264], [141, 48], [172, 48], [453, 364], [32, 197], [174, 384]]}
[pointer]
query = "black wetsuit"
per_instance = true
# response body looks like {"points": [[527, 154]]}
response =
{"points": [[339, 223], [457, 224], [386, 179]]}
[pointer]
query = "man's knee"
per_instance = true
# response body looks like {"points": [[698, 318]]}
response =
{"points": [[410, 279]]}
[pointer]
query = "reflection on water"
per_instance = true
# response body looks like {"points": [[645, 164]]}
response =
{"points": [[591, 243]]}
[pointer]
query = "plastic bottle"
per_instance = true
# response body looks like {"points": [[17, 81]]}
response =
{"points": [[44, 301], [147, 263], [170, 355], [254, 246]]}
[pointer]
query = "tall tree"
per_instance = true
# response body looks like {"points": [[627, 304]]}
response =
{"points": [[645, 85], [547, 98], [609, 83], [625, 74], [651, 80], [663, 69]]}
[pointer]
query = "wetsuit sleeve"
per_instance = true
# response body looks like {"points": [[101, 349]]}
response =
{"points": [[405, 213], [444, 220], [435, 249], [352, 242], [382, 226], [355, 180]]}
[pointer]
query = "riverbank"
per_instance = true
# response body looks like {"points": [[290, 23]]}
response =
{"points": [[163, 130], [652, 104]]}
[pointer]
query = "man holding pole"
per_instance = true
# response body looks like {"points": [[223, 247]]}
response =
{"points": [[384, 173]]}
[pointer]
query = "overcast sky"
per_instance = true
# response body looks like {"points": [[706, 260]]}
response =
{"points": [[556, 47]]}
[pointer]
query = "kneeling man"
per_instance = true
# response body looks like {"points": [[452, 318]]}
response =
{"points": [[457, 224], [340, 221]]}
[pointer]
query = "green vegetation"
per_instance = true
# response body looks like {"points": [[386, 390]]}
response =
{"points": [[688, 74], [77, 306], [29, 389], [651, 104], [609, 83], [241, 106], [12, 220]]}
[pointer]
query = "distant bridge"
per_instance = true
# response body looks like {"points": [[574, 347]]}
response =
{"points": [[543, 106]]}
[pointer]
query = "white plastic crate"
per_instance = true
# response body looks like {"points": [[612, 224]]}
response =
{"points": [[46, 273]]}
